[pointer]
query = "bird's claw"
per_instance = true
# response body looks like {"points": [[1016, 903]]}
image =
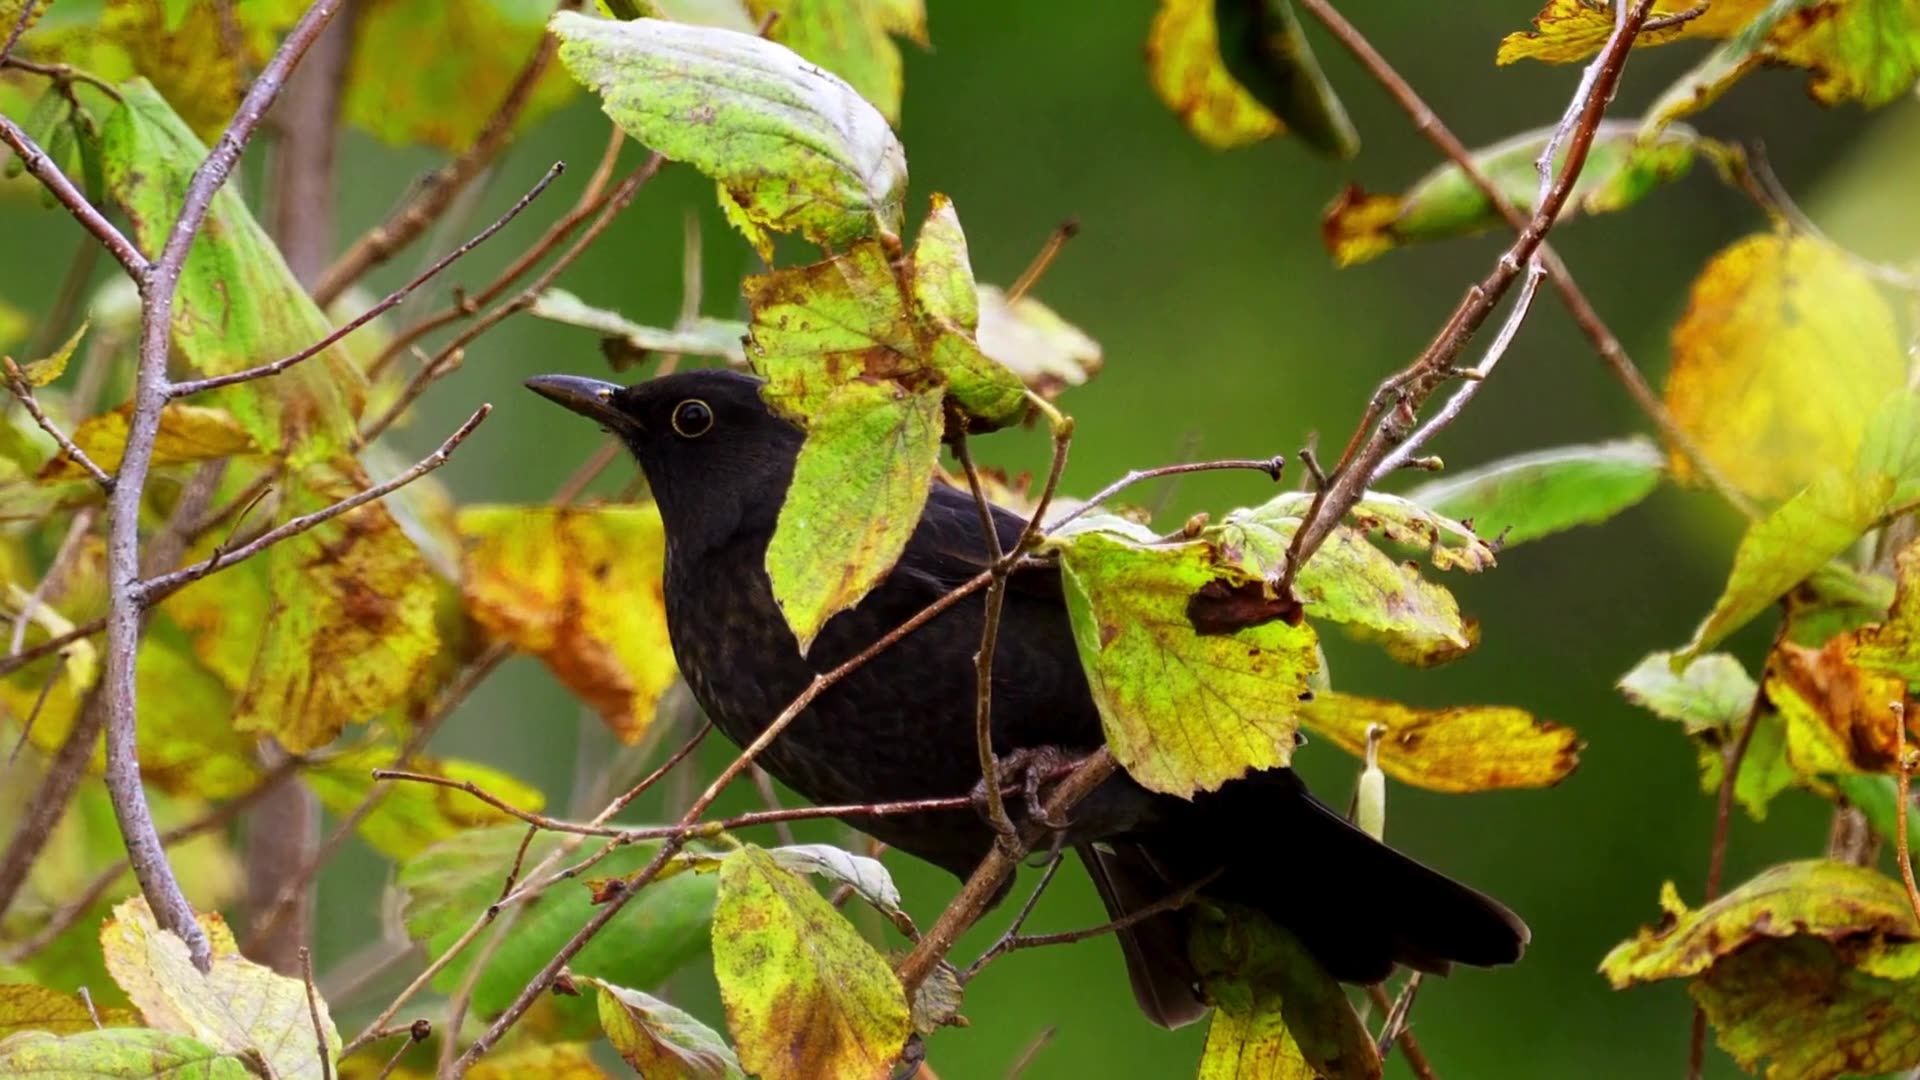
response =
{"points": [[1030, 767]]}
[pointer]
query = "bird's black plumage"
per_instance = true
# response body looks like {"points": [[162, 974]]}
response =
{"points": [[902, 726]]}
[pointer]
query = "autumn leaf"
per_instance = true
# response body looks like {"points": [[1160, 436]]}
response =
{"points": [[702, 337], [550, 1061], [1739, 53], [1567, 31], [581, 590], [238, 1007], [1786, 547], [448, 886], [1464, 748], [1183, 711], [866, 876], [1893, 647], [787, 961], [1047, 352], [1277, 1013], [237, 304], [1351, 582], [198, 58], [1185, 69], [1621, 169], [1712, 700], [188, 433], [851, 38], [1810, 964], [44, 371], [795, 148], [1530, 496], [27, 1007], [411, 817], [479, 48], [119, 1054], [1839, 718], [1783, 354], [661, 1041]]}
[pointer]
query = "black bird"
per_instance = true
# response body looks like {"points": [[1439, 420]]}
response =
{"points": [[902, 727]]}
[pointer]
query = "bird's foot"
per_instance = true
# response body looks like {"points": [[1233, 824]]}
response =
{"points": [[1031, 768]]}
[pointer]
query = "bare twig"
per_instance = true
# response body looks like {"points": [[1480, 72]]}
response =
{"points": [[1394, 1029], [1605, 343], [989, 637], [63, 76], [1025, 1060], [1274, 467], [1029, 277], [43, 169], [19, 27], [441, 189], [392, 300], [1402, 455], [1171, 902], [1903, 767], [450, 355], [313, 1012], [17, 383], [64, 555], [1392, 413]]}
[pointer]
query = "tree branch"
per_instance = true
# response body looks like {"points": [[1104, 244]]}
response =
{"points": [[42, 168]]}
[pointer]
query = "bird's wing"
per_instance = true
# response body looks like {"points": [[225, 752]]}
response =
{"points": [[949, 548]]}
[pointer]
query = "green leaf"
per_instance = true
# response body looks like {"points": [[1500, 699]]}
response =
{"points": [[1351, 582], [788, 962], [45, 370], [1890, 446], [118, 1054], [1262, 48], [858, 488], [1811, 964], [1277, 1013], [867, 877], [1183, 711], [238, 305], [660, 1041], [795, 147], [238, 1007], [479, 48], [413, 817], [580, 590], [1724, 66], [1620, 171], [1047, 352], [1529, 496], [450, 885], [1786, 547], [1464, 748], [702, 337], [851, 38], [1712, 700]]}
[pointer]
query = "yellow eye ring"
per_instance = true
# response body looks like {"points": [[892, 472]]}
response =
{"points": [[692, 418]]}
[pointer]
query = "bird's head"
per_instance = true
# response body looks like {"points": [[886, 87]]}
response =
{"points": [[718, 460]]}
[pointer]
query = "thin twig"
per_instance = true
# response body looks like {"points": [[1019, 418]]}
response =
{"points": [[763, 783], [63, 76], [1903, 766], [1396, 404], [1605, 343], [1171, 902], [17, 383], [1039, 1043], [156, 588], [1393, 1029], [443, 187], [1274, 467], [313, 1011], [69, 548], [1029, 277], [449, 356], [44, 169], [1474, 376], [392, 300], [1019, 919], [125, 595], [19, 27], [989, 637]]}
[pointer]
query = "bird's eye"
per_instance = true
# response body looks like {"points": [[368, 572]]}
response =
{"points": [[692, 418]]}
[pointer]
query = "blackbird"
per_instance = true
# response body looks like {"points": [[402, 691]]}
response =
{"points": [[902, 726]]}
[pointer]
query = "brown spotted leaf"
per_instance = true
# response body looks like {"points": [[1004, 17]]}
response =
{"points": [[26, 1007], [581, 590], [1185, 69], [1464, 748], [1839, 717], [660, 1041]]}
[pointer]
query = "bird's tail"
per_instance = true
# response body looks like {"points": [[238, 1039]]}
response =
{"points": [[1358, 905]]}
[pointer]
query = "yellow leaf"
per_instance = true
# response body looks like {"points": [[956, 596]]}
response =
{"points": [[48, 368], [580, 589], [788, 962], [1569, 30], [1358, 227], [187, 433], [1893, 647], [660, 1041], [1858, 50], [412, 817], [1185, 69], [1783, 354], [557, 1061], [38, 1008], [200, 59], [1466, 748], [1839, 718], [238, 1007]]}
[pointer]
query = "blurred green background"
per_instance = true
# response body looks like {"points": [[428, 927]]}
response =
{"points": [[1228, 333]]}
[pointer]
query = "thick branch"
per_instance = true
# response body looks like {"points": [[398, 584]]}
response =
{"points": [[125, 594]]}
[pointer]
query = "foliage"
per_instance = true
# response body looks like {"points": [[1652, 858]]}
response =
{"points": [[335, 608]]}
